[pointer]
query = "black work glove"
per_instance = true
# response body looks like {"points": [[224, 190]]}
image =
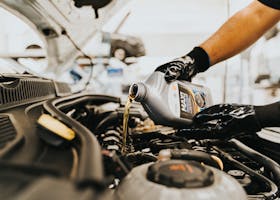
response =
{"points": [[225, 120], [186, 67]]}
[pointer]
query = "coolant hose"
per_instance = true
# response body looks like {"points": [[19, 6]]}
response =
{"points": [[267, 162]]}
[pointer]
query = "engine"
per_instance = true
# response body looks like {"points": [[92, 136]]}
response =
{"points": [[64, 146], [159, 162]]}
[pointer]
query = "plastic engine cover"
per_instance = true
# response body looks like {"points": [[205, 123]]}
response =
{"points": [[144, 182]]}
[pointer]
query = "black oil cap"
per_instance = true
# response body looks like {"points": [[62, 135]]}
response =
{"points": [[180, 174]]}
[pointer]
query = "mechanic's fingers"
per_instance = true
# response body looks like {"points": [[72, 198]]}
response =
{"points": [[172, 73], [219, 109], [213, 109], [205, 118], [201, 118], [161, 68]]}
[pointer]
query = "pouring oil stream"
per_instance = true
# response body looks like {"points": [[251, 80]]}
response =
{"points": [[125, 120]]}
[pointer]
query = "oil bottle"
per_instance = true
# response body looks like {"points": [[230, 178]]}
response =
{"points": [[171, 104]]}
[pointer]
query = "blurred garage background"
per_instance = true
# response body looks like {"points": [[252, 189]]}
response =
{"points": [[141, 36]]}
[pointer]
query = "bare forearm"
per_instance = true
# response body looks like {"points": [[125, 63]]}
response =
{"points": [[240, 31]]}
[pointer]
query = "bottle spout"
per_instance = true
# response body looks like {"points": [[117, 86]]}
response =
{"points": [[137, 91]]}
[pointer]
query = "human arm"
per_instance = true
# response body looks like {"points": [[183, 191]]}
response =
{"points": [[236, 34], [240, 31]]}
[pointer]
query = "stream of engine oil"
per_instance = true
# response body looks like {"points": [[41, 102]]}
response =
{"points": [[125, 121]]}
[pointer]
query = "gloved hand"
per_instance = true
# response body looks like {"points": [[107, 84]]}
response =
{"points": [[226, 120], [186, 67], [179, 69]]}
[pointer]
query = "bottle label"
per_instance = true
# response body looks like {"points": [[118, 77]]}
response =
{"points": [[188, 107]]}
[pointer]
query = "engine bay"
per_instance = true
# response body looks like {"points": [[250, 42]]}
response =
{"points": [[56, 144], [157, 162]]}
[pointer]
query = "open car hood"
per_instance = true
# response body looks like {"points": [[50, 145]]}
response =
{"points": [[59, 22]]}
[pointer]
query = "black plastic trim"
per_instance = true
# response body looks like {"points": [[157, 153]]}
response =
{"points": [[90, 158]]}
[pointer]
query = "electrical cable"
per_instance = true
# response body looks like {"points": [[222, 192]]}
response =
{"points": [[85, 55]]}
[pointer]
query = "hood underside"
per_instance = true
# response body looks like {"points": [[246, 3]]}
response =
{"points": [[59, 22]]}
